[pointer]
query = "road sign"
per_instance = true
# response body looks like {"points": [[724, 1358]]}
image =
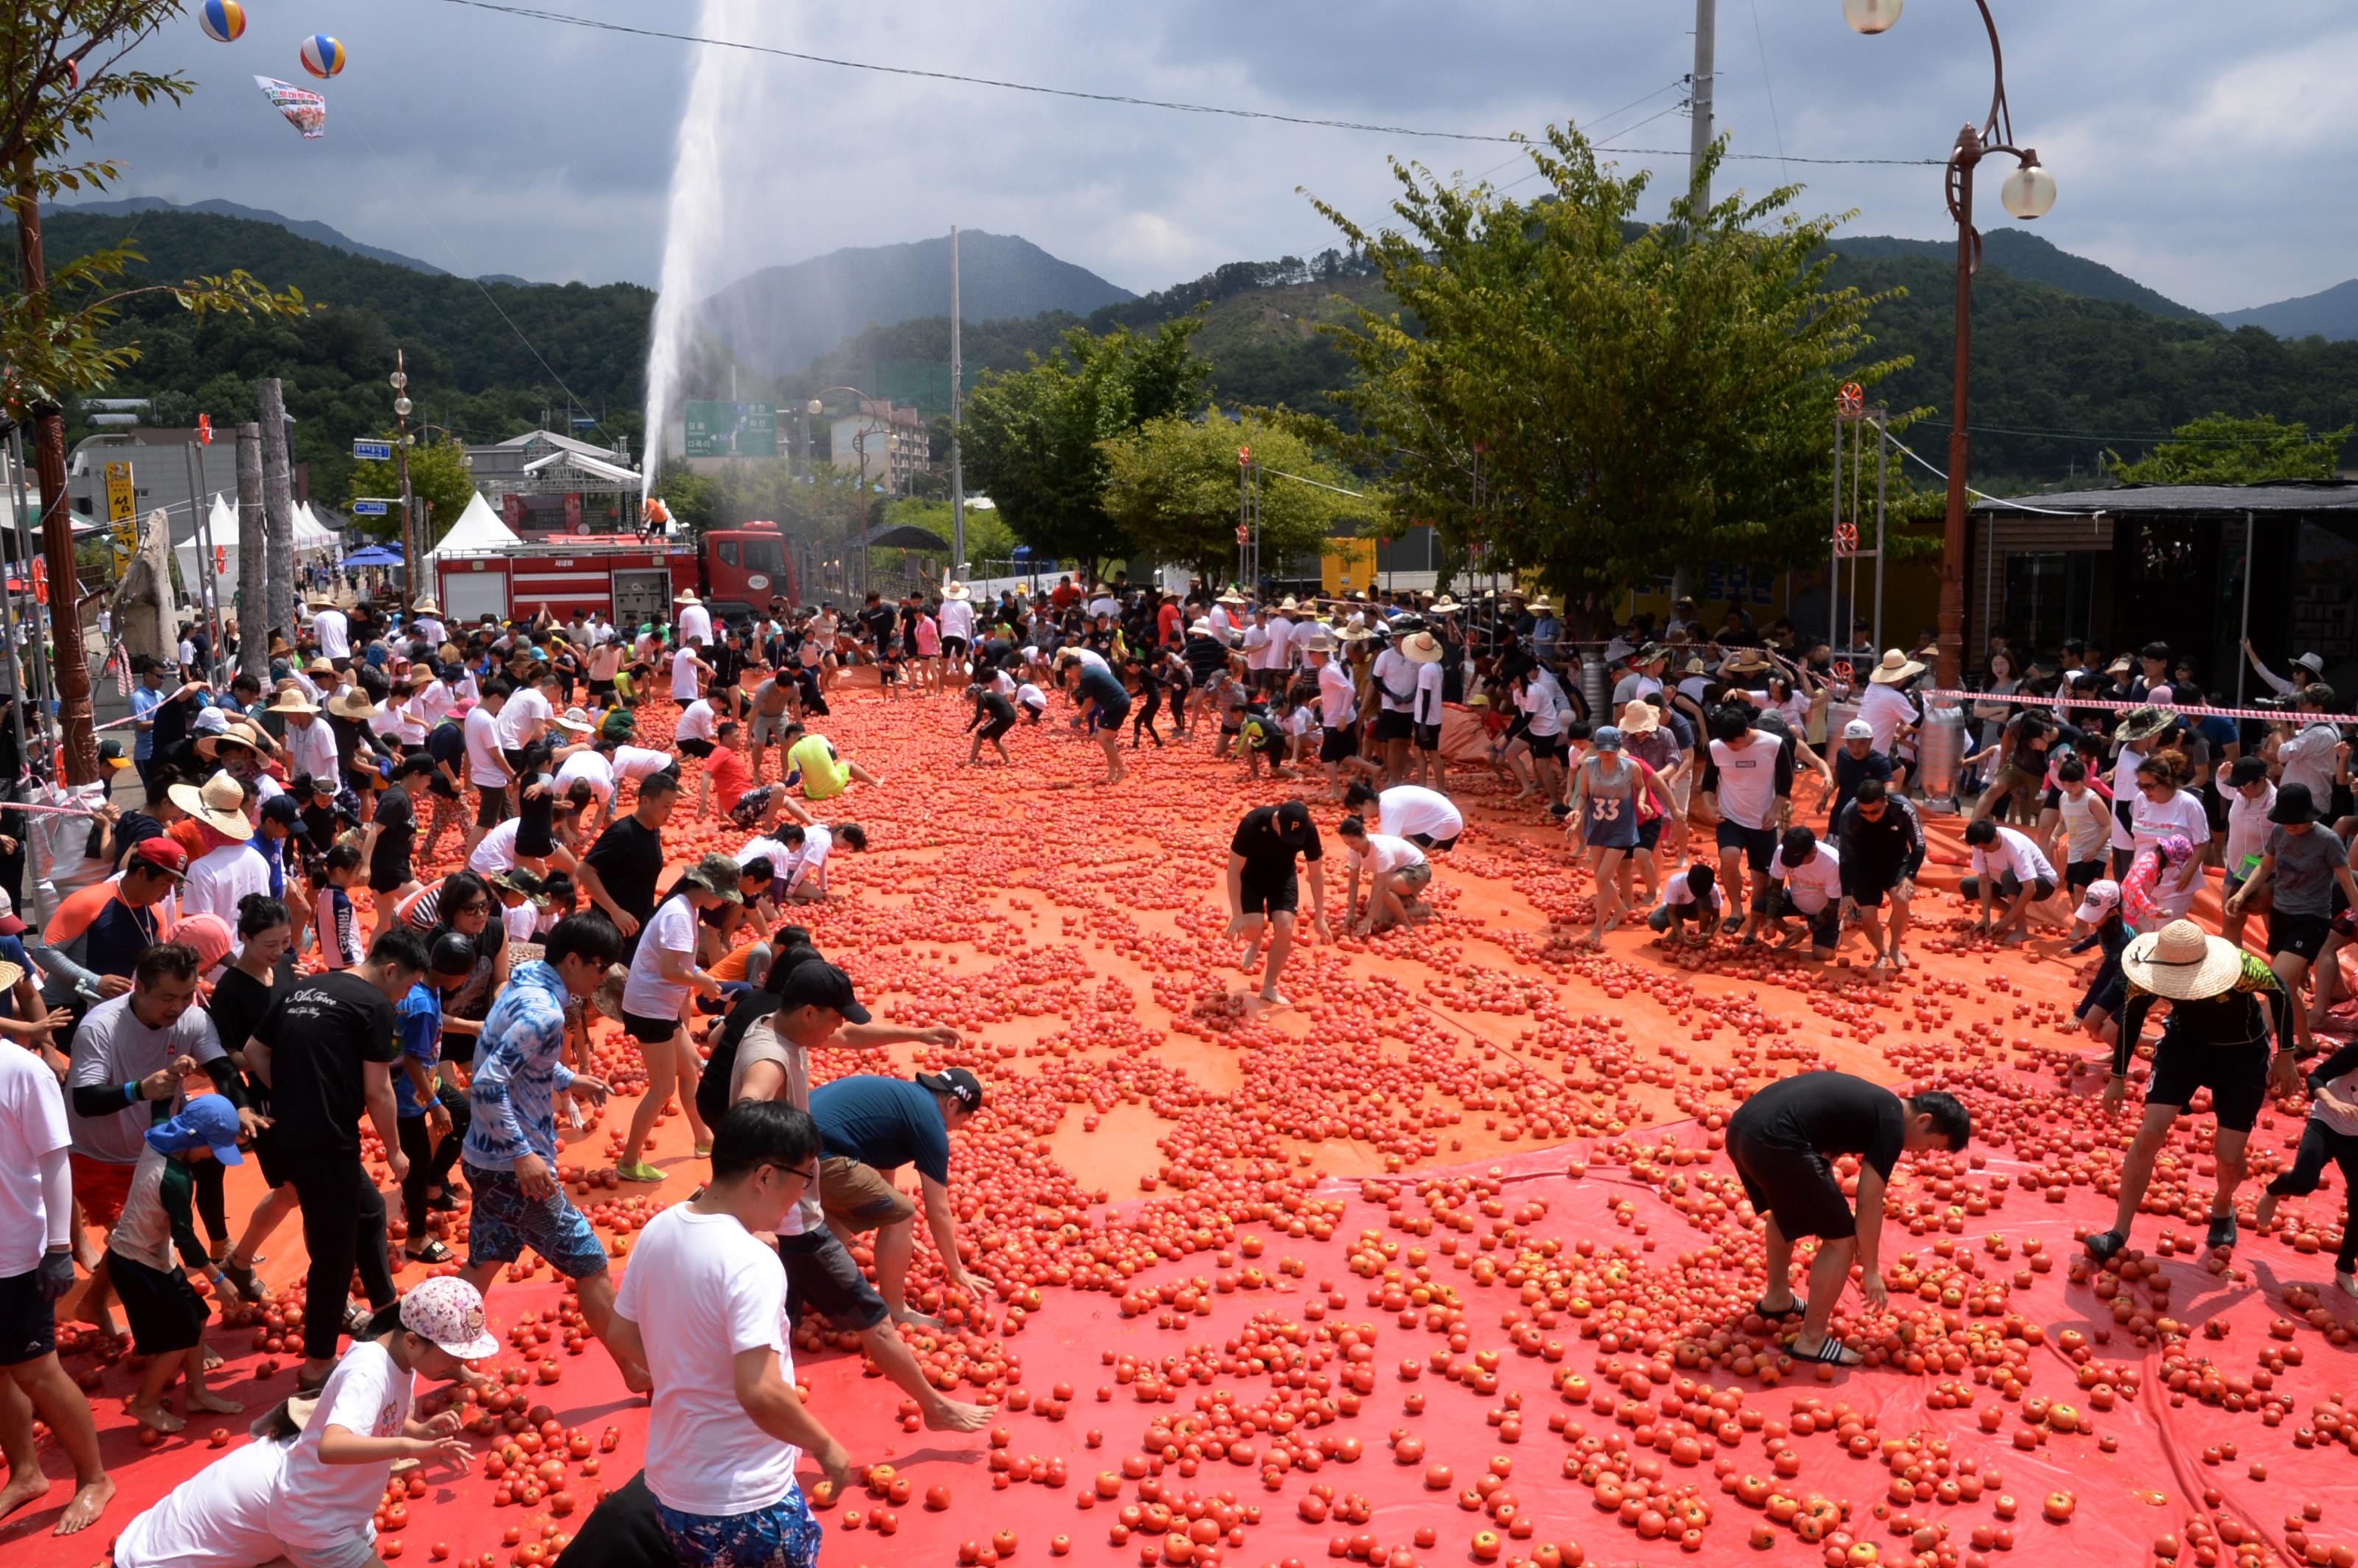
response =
{"points": [[371, 451], [368, 508], [122, 502]]}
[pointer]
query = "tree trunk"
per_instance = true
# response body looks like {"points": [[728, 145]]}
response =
{"points": [[70, 660], [278, 513], [143, 612], [253, 570]]}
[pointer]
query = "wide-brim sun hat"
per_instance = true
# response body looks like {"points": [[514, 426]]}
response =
{"points": [[1638, 719], [2182, 962], [1895, 667], [426, 606], [2142, 723], [219, 803], [1423, 648], [685, 596], [957, 590], [350, 703]]}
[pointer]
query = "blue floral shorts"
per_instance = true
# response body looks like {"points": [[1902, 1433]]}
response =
{"points": [[503, 1222], [782, 1535]]}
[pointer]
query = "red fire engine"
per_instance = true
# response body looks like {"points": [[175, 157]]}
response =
{"points": [[631, 578]]}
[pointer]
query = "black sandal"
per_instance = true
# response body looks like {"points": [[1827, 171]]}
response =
{"points": [[435, 1253], [1831, 1352], [1790, 1309]]}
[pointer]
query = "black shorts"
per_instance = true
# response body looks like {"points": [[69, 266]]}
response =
{"points": [[28, 1325], [1794, 1185], [1826, 925], [822, 1278], [1546, 747], [264, 1147], [2081, 875], [164, 1310], [1758, 844], [491, 807], [601, 691], [514, 755], [2300, 934], [1391, 726], [1428, 737], [996, 727], [385, 878], [1106, 717], [648, 1031], [695, 748], [1341, 743], [954, 647], [1650, 832], [2008, 886], [1427, 841], [2237, 1075], [1272, 896]]}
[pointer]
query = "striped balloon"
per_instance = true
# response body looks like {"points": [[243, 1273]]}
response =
{"points": [[223, 20], [322, 56]]}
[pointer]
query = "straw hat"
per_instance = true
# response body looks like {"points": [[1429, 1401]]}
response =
{"points": [[1355, 635], [1543, 605], [1638, 719], [426, 606], [1290, 605], [245, 735], [685, 596], [1231, 597], [2142, 723], [280, 647], [1424, 648], [320, 666], [1324, 642], [576, 719], [956, 590], [219, 803], [9, 974], [1200, 628], [2182, 963], [1895, 668], [1749, 661], [350, 703], [1445, 605]]}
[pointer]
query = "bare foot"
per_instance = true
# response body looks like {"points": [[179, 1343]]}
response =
{"points": [[30, 1487], [1274, 996], [2264, 1213], [952, 1415], [88, 1503], [212, 1359], [916, 1319], [155, 1416], [209, 1400]]}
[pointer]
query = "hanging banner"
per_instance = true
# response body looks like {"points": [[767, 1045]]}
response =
{"points": [[121, 498]]}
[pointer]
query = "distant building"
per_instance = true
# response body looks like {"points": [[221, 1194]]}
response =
{"points": [[544, 482], [884, 443], [167, 467]]}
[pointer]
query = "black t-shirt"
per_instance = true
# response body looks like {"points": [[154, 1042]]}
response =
{"points": [[240, 1003], [622, 1532], [629, 858], [1829, 1114], [879, 620], [396, 833], [320, 1034], [172, 721], [1852, 771], [1270, 836]]}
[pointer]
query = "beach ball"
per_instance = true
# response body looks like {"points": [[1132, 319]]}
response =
{"points": [[223, 20], [322, 56]]}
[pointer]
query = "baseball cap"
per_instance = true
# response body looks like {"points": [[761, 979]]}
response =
{"points": [[282, 809], [818, 984], [162, 854], [955, 1081], [11, 923], [1858, 729], [110, 751], [448, 1313], [207, 1121], [209, 935], [1606, 738], [2102, 898]]}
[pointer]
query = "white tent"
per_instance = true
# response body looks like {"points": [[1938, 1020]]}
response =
{"points": [[310, 533], [222, 520], [478, 529]]}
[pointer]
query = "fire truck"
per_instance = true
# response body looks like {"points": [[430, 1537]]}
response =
{"points": [[632, 578]]}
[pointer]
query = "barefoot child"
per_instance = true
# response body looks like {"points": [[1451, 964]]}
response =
{"points": [[307, 1496], [166, 1316]]}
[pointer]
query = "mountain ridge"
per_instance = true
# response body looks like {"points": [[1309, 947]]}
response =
{"points": [[2331, 314], [304, 228]]}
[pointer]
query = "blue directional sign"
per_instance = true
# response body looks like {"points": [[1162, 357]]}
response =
{"points": [[368, 508], [373, 451]]}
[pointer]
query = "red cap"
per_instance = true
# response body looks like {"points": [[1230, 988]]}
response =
{"points": [[162, 853]]}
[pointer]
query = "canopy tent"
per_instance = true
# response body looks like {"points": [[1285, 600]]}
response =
{"points": [[904, 536], [310, 533], [477, 531], [223, 522], [375, 555]]}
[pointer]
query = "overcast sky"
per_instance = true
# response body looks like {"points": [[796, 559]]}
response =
{"points": [[2203, 154]]}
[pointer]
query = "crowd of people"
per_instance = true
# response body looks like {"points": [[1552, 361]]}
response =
{"points": [[250, 963]]}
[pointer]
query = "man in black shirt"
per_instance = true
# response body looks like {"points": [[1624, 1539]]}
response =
{"points": [[1263, 892], [1880, 842], [393, 837], [878, 619], [1855, 761], [1781, 1141], [620, 872], [327, 1051]]}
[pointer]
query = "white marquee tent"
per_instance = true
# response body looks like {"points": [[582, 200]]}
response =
{"points": [[478, 529]]}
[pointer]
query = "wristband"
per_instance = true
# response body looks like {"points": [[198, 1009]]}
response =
{"points": [[131, 1092]]}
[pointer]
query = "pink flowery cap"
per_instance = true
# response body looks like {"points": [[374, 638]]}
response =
{"points": [[449, 1311]]}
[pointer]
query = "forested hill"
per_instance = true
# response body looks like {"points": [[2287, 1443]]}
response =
{"points": [[2059, 376]]}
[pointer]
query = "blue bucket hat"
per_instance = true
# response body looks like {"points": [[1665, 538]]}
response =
{"points": [[207, 1121]]}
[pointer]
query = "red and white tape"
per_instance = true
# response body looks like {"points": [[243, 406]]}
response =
{"points": [[2272, 714]]}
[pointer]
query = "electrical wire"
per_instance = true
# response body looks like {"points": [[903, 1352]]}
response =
{"points": [[532, 13], [1993, 500], [1775, 123]]}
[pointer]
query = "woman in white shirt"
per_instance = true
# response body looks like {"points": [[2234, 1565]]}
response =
{"points": [[2160, 809], [664, 977]]}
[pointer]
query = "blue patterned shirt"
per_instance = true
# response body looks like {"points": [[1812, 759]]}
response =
{"points": [[513, 1097]]}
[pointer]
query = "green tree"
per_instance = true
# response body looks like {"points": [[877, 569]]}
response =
{"points": [[2220, 449], [1173, 485], [438, 477], [989, 540], [1033, 437], [1597, 401]]}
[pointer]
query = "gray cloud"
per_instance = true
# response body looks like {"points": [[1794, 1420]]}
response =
{"points": [[2194, 151]]}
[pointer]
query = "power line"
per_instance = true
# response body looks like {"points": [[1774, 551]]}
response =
{"points": [[537, 14]]}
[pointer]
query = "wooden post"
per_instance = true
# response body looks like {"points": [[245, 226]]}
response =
{"points": [[278, 513], [253, 569]]}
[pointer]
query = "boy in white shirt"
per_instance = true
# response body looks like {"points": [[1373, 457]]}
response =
{"points": [[1689, 895], [2007, 864]]}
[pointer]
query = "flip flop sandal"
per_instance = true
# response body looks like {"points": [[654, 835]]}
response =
{"points": [[1831, 1352], [435, 1253], [1790, 1309]]}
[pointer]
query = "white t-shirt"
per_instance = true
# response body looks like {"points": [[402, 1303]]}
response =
{"points": [[805, 862], [1104, 604], [1748, 780], [957, 619], [1394, 671], [1386, 852], [758, 848], [1339, 703], [32, 1124], [694, 621], [1408, 810], [635, 762], [1428, 694], [485, 765], [2021, 857], [524, 718], [497, 852], [1677, 890], [2182, 813], [1540, 707], [697, 722], [1031, 695], [2247, 829], [2307, 758], [587, 766], [1090, 657], [671, 929], [221, 877], [1815, 884], [1305, 632], [431, 631], [1887, 709], [1637, 684], [684, 676], [333, 631], [704, 1289], [321, 1505]]}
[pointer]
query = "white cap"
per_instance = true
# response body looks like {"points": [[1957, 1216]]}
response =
{"points": [[2102, 898], [1858, 729]]}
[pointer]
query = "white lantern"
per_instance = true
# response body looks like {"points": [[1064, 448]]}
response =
{"points": [[2029, 192], [1872, 16]]}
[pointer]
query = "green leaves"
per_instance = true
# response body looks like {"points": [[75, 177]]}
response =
{"points": [[2221, 449], [1173, 485], [1601, 401]]}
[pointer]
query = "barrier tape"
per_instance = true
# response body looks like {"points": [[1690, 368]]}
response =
{"points": [[2270, 715]]}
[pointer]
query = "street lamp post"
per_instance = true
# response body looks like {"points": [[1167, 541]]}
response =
{"points": [[2029, 193], [401, 406]]}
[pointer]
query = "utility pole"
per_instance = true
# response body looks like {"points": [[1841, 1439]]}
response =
{"points": [[71, 666], [957, 412], [278, 510], [1700, 128], [253, 571], [401, 463]]}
